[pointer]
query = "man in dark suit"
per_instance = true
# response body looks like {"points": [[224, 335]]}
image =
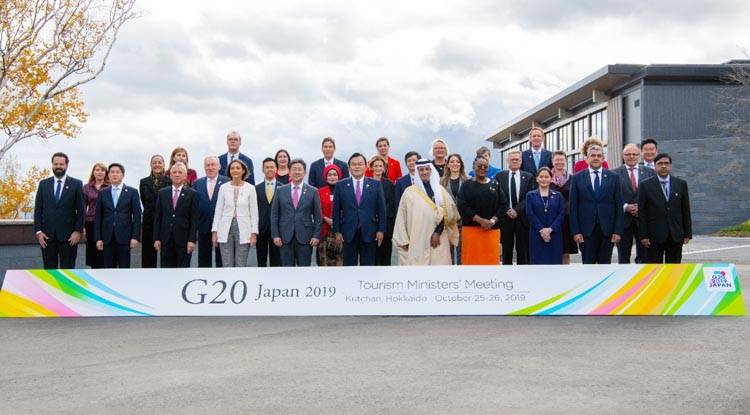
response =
{"points": [[410, 159], [149, 189], [117, 224], [328, 147], [296, 218], [596, 216], [208, 191], [631, 176], [267, 252], [359, 216], [536, 156], [58, 215], [233, 153], [664, 221], [176, 220], [514, 225]]}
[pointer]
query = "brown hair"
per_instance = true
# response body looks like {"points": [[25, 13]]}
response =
{"points": [[175, 151], [245, 170], [104, 167], [447, 172], [590, 142]]}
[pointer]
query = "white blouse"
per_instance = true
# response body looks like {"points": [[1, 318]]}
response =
{"points": [[244, 207]]}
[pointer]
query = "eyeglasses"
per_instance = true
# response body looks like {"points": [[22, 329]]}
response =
{"points": [[482, 167]]}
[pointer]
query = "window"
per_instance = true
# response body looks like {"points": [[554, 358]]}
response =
{"points": [[550, 140]]}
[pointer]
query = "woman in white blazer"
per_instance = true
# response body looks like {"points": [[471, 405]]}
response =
{"points": [[235, 226]]}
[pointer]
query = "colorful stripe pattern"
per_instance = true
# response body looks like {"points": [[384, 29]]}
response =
{"points": [[673, 289], [63, 293]]}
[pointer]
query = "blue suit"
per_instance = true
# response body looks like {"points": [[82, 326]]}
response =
{"points": [[224, 162], [316, 179], [116, 225], [596, 215], [528, 165], [401, 184], [359, 223], [206, 209]]}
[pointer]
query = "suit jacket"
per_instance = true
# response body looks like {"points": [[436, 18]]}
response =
{"points": [[370, 216], [401, 184], [526, 186], [528, 165], [586, 207], [224, 162], [149, 195], [178, 225], [58, 220], [302, 223], [658, 218], [630, 195], [264, 206], [316, 179], [123, 222], [206, 207]]}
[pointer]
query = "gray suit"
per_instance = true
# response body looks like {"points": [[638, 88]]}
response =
{"points": [[630, 196], [296, 226]]}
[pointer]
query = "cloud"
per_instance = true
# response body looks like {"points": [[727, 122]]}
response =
{"points": [[288, 73]]}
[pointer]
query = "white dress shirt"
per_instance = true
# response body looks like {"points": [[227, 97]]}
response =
{"points": [[593, 177]]}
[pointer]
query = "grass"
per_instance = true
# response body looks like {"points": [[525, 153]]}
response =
{"points": [[742, 229]]}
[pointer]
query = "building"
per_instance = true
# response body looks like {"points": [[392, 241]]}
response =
{"points": [[684, 107]]}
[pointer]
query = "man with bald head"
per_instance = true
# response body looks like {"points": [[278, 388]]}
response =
{"points": [[176, 220], [631, 175], [234, 140], [208, 192]]}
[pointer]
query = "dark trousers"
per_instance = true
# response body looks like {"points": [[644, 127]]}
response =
{"points": [[357, 252], [205, 248], [266, 250], [59, 255], [384, 252], [148, 253], [116, 255], [94, 257], [295, 254], [174, 255], [515, 234], [667, 252], [625, 245], [596, 248]]}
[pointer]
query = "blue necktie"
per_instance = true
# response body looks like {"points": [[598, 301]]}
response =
{"points": [[597, 183], [58, 190], [665, 189], [115, 195], [537, 157]]}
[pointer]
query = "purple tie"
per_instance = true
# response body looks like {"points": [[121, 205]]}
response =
{"points": [[295, 196], [358, 191]]}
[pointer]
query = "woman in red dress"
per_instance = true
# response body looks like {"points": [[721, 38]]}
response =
{"points": [[180, 154], [329, 252]]}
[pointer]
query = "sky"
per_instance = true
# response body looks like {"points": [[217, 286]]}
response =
{"points": [[285, 74]]}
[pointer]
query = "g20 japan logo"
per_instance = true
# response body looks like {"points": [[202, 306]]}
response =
{"points": [[719, 279]]}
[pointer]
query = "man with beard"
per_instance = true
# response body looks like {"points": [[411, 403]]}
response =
{"points": [[426, 223], [58, 216]]}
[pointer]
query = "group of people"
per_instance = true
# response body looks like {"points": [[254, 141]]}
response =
{"points": [[357, 212]]}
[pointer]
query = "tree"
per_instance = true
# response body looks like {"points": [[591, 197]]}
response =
{"points": [[734, 100], [17, 191], [48, 48]]}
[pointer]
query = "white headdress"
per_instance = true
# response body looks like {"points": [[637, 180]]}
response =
{"points": [[434, 180]]}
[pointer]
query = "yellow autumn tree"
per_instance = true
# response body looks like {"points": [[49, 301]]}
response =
{"points": [[16, 189], [48, 48]]}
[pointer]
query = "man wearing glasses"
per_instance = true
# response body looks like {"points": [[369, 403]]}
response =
{"points": [[664, 222], [631, 175]]}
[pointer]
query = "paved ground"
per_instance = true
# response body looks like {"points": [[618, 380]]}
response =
{"points": [[384, 364]]}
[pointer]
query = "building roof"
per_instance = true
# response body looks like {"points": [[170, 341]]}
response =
{"points": [[603, 84]]}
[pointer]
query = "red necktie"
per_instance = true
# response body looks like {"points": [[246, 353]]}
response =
{"points": [[633, 182]]}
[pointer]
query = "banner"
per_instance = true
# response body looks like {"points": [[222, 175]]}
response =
{"points": [[679, 289]]}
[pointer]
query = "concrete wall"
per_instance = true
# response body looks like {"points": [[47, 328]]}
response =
{"points": [[682, 117]]}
